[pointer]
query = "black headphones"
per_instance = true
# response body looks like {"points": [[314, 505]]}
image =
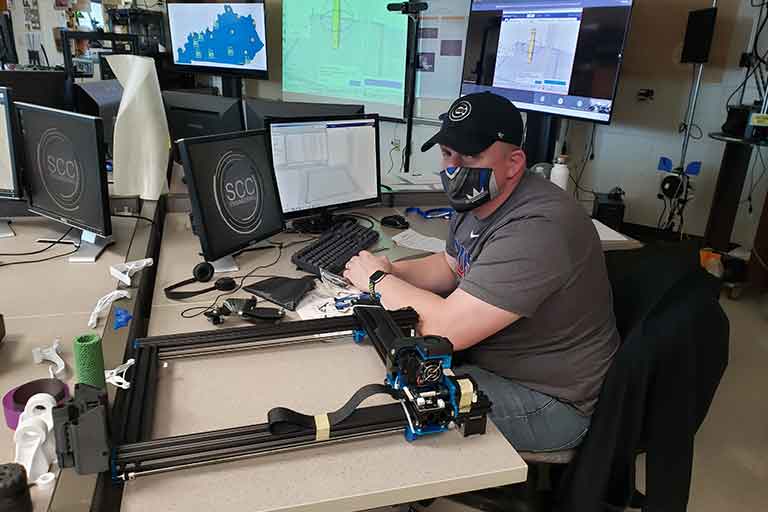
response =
{"points": [[202, 273]]}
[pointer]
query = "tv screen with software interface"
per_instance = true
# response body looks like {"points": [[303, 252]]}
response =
{"points": [[551, 56], [216, 37], [9, 178], [326, 162]]}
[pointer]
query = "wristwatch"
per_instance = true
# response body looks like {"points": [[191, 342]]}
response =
{"points": [[375, 278]]}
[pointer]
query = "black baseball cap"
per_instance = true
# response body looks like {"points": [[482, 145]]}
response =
{"points": [[476, 121]]}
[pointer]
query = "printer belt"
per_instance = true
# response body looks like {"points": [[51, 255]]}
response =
{"points": [[282, 419]]}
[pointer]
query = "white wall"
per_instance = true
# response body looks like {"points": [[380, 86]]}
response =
{"points": [[628, 150]]}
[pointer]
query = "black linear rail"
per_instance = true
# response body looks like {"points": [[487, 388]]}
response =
{"points": [[405, 318], [382, 329], [139, 399], [221, 445], [137, 403]]}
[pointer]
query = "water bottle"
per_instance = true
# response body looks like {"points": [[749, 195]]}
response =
{"points": [[560, 172]]}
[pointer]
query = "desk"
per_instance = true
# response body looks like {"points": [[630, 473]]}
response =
{"points": [[199, 394], [44, 300]]}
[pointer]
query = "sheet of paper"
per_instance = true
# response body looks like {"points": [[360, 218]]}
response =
{"points": [[607, 234], [415, 240], [319, 305]]}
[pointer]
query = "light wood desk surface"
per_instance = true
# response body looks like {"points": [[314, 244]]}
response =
{"points": [[228, 390], [42, 301], [56, 286]]}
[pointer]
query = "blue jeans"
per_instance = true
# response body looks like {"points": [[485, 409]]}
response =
{"points": [[531, 421]]}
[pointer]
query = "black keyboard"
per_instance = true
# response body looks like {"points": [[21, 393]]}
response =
{"points": [[335, 248]]}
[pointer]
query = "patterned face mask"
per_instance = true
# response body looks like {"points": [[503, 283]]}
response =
{"points": [[468, 187]]}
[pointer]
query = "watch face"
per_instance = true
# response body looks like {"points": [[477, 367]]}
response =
{"points": [[377, 276]]}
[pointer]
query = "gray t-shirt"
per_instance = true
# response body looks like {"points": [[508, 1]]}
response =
{"points": [[539, 256]]}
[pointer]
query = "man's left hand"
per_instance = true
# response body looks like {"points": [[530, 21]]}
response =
{"points": [[360, 268]]}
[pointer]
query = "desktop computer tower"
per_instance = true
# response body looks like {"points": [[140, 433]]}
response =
{"points": [[609, 210]]}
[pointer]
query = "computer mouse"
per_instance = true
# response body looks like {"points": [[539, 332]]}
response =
{"points": [[395, 221]]}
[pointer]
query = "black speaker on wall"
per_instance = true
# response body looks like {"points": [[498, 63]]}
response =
{"points": [[699, 35]]}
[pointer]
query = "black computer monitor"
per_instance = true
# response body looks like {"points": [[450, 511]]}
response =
{"points": [[233, 193], [101, 98], [65, 176], [46, 88], [196, 115], [324, 164], [548, 56], [259, 109], [11, 194]]}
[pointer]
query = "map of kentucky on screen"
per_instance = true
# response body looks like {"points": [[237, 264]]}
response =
{"points": [[218, 35]]}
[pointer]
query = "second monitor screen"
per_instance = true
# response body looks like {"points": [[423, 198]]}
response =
{"points": [[325, 163], [8, 185]]}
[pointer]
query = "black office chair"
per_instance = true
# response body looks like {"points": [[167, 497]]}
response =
{"points": [[667, 313]]}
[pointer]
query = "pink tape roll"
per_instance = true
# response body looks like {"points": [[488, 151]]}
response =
{"points": [[15, 399], [11, 414]]}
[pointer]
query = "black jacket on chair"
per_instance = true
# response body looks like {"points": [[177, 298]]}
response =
{"points": [[659, 387]]}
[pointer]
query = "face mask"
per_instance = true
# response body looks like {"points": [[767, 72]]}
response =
{"points": [[468, 187]]}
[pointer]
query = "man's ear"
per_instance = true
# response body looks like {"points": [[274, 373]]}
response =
{"points": [[516, 161]]}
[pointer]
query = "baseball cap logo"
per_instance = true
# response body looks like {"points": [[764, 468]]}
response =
{"points": [[460, 111]]}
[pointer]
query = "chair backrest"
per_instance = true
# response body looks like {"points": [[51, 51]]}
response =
{"points": [[640, 278], [674, 336]]}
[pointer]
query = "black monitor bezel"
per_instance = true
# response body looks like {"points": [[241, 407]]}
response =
{"points": [[12, 125], [198, 213], [215, 70], [248, 107], [340, 206], [530, 110], [95, 124]]}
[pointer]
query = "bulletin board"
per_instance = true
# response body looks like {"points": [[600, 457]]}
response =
{"points": [[440, 56]]}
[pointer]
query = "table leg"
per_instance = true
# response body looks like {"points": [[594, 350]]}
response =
{"points": [[725, 203]]}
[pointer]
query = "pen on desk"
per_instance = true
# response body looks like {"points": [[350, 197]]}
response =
{"points": [[380, 249]]}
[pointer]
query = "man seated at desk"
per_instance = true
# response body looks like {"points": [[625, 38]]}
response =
{"points": [[522, 287]]}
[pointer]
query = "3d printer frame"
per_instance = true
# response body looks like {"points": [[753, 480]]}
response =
{"points": [[431, 399]]}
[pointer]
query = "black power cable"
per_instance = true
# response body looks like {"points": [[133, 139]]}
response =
{"points": [[32, 253]]}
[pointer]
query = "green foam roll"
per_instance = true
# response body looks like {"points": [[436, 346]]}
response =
{"points": [[89, 360]]}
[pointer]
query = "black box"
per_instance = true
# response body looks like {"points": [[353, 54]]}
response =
{"points": [[608, 210]]}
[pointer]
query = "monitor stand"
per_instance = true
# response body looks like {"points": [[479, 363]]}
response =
{"points": [[315, 224], [6, 231], [90, 245], [225, 264]]}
